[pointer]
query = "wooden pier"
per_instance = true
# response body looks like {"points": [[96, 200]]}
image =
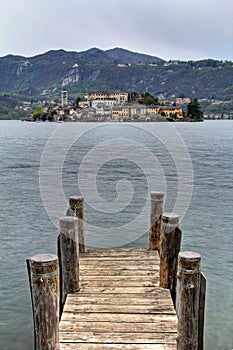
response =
{"points": [[120, 304], [118, 298]]}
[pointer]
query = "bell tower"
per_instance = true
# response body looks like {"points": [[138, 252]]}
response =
{"points": [[64, 98]]}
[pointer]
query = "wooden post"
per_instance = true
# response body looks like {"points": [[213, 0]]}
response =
{"points": [[60, 275], [188, 300], [43, 274], [69, 250], [156, 210], [201, 312], [76, 208], [170, 242]]}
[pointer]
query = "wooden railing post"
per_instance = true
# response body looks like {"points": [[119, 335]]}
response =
{"points": [[201, 320], [43, 271], [76, 208], [156, 210], [69, 251], [188, 300], [170, 242]]}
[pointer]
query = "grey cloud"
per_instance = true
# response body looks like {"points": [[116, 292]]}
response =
{"points": [[182, 29]]}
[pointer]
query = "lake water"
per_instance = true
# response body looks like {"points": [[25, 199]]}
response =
{"points": [[115, 166]]}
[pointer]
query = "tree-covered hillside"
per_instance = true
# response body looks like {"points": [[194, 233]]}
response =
{"points": [[43, 76]]}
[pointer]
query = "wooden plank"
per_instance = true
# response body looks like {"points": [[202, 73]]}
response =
{"points": [[118, 337], [158, 295], [130, 264], [117, 290], [131, 271], [166, 320], [138, 258], [136, 327], [120, 251], [134, 265], [120, 279], [123, 282], [111, 346], [121, 309], [121, 266], [120, 305]]}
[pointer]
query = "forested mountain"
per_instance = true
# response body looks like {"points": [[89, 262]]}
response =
{"points": [[46, 74]]}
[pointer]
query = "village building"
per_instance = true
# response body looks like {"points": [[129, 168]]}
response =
{"points": [[120, 113], [103, 109], [109, 103], [120, 97], [169, 111], [137, 111]]}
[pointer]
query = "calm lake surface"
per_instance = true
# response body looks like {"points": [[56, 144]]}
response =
{"points": [[115, 166]]}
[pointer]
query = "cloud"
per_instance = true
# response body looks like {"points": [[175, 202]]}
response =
{"points": [[182, 29]]}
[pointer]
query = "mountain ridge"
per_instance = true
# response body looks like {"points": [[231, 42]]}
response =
{"points": [[44, 75]]}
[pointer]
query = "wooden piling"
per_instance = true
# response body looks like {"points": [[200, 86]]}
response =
{"points": [[189, 275], [69, 251], [43, 273], [76, 208], [170, 242], [201, 320], [156, 210]]}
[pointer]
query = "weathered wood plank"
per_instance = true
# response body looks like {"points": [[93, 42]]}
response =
{"points": [[76, 327], [119, 279], [139, 258], [115, 266], [98, 346], [121, 309], [117, 290], [158, 295], [120, 304], [118, 337], [131, 271], [166, 320], [120, 263], [123, 282], [120, 251]]}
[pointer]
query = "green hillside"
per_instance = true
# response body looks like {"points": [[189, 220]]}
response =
{"points": [[43, 76]]}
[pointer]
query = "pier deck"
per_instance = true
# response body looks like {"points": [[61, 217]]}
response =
{"points": [[120, 304]]}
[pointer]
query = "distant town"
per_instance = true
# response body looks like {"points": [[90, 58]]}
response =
{"points": [[118, 106]]}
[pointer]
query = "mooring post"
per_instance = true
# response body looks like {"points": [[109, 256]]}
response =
{"points": [[170, 241], [43, 271], [76, 208], [189, 276], [69, 255], [156, 210], [60, 275], [201, 320]]}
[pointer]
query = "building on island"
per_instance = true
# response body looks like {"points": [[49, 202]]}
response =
{"points": [[168, 111], [120, 97], [120, 113]]}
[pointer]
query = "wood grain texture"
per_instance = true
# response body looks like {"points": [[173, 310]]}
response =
{"points": [[120, 304], [170, 242], [76, 208], [156, 210], [188, 300], [112, 346], [44, 282]]}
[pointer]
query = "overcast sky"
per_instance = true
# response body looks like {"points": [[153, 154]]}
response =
{"points": [[170, 29]]}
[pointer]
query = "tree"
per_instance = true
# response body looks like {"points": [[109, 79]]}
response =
{"points": [[149, 99], [78, 99], [38, 113], [194, 110]]}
